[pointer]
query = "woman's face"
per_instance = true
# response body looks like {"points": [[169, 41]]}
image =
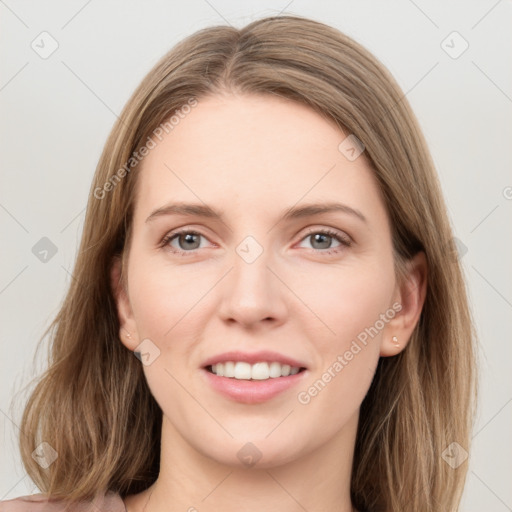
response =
{"points": [[261, 276]]}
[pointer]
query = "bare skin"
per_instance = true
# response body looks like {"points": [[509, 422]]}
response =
{"points": [[253, 157]]}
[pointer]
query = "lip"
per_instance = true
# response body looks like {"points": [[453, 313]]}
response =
{"points": [[252, 391], [253, 358]]}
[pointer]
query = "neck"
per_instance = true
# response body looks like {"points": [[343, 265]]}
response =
{"points": [[315, 481]]}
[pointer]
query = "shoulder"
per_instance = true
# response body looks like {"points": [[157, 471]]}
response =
{"points": [[110, 502], [30, 503]]}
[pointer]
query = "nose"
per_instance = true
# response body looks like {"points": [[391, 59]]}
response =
{"points": [[253, 291]]}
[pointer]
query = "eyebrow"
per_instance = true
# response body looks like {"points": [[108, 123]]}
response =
{"points": [[294, 212]]}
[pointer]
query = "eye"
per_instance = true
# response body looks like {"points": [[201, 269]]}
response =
{"points": [[187, 241], [321, 240]]}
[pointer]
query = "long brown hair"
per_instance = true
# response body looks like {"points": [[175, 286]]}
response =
{"points": [[93, 405]]}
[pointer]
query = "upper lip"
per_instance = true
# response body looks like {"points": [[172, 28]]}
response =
{"points": [[252, 358]]}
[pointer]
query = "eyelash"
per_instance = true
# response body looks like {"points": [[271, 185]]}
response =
{"points": [[344, 241]]}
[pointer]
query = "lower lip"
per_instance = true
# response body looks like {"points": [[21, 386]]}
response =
{"points": [[252, 391]]}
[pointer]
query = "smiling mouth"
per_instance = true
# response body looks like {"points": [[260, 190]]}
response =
{"points": [[258, 371]]}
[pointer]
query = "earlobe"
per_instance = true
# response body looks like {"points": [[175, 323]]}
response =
{"points": [[127, 326], [411, 296]]}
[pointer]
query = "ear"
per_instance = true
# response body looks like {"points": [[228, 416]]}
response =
{"points": [[128, 328], [410, 295]]}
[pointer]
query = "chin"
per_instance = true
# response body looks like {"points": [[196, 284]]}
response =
{"points": [[254, 452]]}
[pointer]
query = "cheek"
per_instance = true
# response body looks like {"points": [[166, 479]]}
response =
{"points": [[168, 304], [344, 301], [165, 296], [350, 307]]}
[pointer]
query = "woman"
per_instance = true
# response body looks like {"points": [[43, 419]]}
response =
{"points": [[313, 349]]}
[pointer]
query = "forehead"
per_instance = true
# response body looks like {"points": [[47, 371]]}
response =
{"points": [[256, 152]]}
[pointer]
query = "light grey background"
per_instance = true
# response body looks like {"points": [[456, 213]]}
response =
{"points": [[56, 113]]}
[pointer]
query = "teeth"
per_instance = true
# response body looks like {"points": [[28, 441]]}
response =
{"points": [[242, 371], [258, 371], [275, 370]]}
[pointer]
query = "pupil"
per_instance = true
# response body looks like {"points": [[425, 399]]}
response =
{"points": [[189, 238], [325, 243]]}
